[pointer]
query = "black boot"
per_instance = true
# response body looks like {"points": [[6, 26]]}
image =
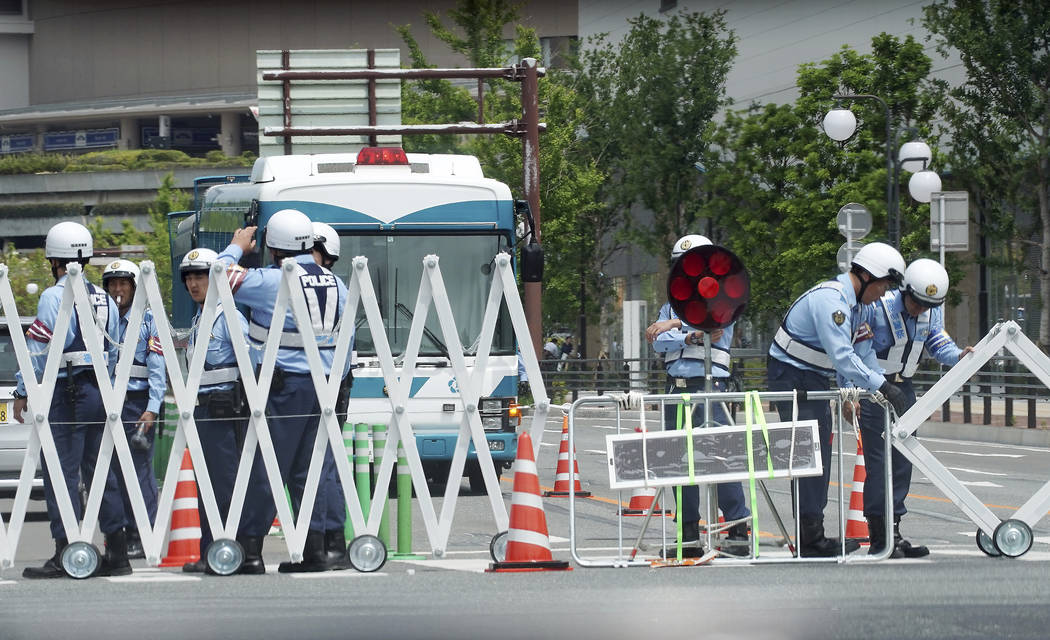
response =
{"points": [[737, 542], [253, 561], [335, 550], [814, 544], [135, 550], [314, 556], [52, 568], [691, 547], [200, 566], [905, 548], [877, 537], [115, 561]]}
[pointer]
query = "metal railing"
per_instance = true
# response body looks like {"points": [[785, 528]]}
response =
{"points": [[1002, 392]]}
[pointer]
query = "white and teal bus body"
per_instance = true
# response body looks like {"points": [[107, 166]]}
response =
{"points": [[395, 215]]}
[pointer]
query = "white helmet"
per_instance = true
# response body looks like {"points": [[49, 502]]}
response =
{"points": [[326, 236], [926, 281], [289, 230], [685, 243], [197, 260], [881, 261], [121, 269], [68, 240]]}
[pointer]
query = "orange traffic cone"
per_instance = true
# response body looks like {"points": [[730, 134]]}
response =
{"points": [[856, 525], [184, 542], [641, 499], [528, 544], [561, 472]]}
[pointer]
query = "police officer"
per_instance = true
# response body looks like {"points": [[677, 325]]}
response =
{"points": [[292, 406], [146, 387], [828, 331], [77, 415], [683, 349], [907, 321], [326, 253], [220, 409]]}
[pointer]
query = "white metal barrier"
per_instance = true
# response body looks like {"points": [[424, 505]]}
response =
{"points": [[361, 298], [1011, 537]]}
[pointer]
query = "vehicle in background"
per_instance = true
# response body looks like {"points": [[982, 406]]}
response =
{"points": [[14, 436], [395, 208]]}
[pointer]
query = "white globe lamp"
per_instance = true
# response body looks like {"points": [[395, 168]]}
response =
{"points": [[923, 184], [840, 124], [914, 156]]}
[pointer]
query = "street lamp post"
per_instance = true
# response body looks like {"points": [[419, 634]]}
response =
{"points": [[840, 124]]}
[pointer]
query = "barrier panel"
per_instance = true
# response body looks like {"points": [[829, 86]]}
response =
{"points": [[753, 452], [256, 372], [1011, 537]]}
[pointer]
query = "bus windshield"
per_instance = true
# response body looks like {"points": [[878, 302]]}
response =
{"points": [[395, 263]]}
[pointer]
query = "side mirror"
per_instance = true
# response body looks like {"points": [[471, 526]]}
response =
{"points": [[531, 262]]}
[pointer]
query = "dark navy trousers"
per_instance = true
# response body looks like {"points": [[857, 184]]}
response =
{"points": [[143, 459], [730, 494], [812, 491], [872, 428], [293, 416], [76, 425], [221, 455]]}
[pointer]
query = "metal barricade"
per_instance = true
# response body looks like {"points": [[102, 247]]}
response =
{"points": [[626, 556]]}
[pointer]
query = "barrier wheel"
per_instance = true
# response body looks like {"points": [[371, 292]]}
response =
{"points": [[498, 546], [1013, 538], [80, 560], [224, 556], [985, 544], [367, 553]]}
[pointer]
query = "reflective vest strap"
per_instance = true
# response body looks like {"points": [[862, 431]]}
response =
{"points": [[802, 352], [77, 358], [291, 339], [719, 357]]}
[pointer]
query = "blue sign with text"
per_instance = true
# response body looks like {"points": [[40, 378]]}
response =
{"points": [[86, 139]]}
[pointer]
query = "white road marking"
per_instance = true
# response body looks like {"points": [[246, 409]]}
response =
{"points": [[159, 576], [981, 483], [982, 455], [549, 444], [327, 575], [600, 452], [2, 582], [980, 473], [473, 565]]}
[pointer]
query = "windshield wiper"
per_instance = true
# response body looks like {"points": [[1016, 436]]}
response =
{"points": [[426, 330]]}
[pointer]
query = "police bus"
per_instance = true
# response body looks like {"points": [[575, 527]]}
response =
{"points": [[393, 208]]}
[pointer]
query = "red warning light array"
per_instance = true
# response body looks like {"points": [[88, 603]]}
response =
{"points": [[708, 287]]}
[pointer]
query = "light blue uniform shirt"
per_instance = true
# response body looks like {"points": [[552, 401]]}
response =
{"points": [[674, 340], [257, 289], [148, 351], [220, 347], [833, 322], [933, 337], [40, 332]]}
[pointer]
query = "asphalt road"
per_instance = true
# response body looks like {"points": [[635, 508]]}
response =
{"points": [[957, 592]]}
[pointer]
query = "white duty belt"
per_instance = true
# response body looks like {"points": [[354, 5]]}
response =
{"points": [[139, 372], [220, 375], [292, 339], [76, 358], [719, 357]]}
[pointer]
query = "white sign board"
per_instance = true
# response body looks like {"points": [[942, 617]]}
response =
{"points": [[854, 220], [950, 221]]}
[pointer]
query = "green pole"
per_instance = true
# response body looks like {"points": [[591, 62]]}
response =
{"points": [[404, 509], [379, 441], [348, 445], [362, 472]]}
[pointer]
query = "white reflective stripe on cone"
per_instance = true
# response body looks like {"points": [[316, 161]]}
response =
{"points": [[534, 538], [186, 533], [526, 500]]}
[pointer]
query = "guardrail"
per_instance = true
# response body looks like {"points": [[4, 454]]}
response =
{"points": [[1003, 392]]}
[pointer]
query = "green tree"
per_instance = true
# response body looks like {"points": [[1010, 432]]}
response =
{"points": [[999, 119], [26, 268], [775, 182], [574, 229], [156, 239], [648, 104]]}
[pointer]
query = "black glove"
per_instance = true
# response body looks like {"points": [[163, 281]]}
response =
{"points": [[895, 396]]}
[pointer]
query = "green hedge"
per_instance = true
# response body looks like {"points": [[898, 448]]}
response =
{"points": [[51, 210], [116, 160]]}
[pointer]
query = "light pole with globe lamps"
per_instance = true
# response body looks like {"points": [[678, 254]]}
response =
{"points": [[840, 124]]}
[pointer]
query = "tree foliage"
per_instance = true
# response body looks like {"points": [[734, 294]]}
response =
{"points": [[775, 181], [999, 119], [648, 104], [572, 226]]}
